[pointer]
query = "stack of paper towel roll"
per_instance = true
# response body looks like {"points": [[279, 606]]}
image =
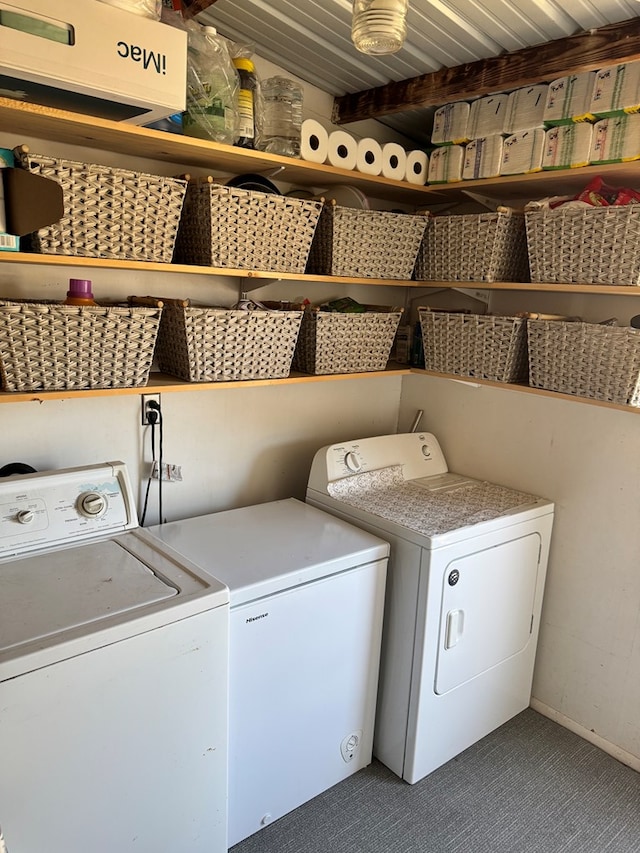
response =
{"points": [[339, 148]]}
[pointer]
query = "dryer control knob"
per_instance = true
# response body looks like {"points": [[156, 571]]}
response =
{"points": [[92, 504], [353, 462], [25, 516]]}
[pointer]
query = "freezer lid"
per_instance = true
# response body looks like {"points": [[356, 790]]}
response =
{"points": [[263, 549], [47, 595]]}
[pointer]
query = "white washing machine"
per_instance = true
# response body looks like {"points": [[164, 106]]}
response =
{"points": [[113, 676], [464, 592], [307, 600]]}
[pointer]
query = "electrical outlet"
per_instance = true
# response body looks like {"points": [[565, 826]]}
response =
{"points": [[145, 400], [170, 473]]}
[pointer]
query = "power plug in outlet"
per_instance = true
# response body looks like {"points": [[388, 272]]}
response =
{"points": [[145, 400], [170, 473]]}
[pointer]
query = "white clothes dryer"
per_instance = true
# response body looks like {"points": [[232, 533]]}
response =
{"points": [[464, 592], [307, 599], [113, 675]]}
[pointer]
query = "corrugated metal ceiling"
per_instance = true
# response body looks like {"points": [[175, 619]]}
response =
{"points": [[312, 38]]}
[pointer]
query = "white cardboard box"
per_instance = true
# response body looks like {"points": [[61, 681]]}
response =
{"points": [[92, 58]]}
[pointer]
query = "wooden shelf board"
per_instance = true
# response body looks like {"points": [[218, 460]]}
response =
{"points": [[161, 383], [103, 134], [192, 269], [548, 287], [131, 140], [545, 183], [527, 389]]}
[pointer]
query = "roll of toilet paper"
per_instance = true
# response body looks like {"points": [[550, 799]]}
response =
{"points": [[369, 159], [417, 167], [314, 141], [343, 150], [394, 161]]}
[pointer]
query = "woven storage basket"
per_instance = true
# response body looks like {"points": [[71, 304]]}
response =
{"points": [[474, 247], [245, 229], [366, 243], [109, 213], [50, 347], [477, 345], [599, 245], [585, 359], [201, 344], [332, 342]]}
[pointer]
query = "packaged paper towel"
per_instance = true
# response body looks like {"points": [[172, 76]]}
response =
{"points": [[450, 124], [569, 99], [523, 152], [525, 108], [616, 139], [567, 146], [445, 164], [487, 116], [616, 89], [482, 158]]}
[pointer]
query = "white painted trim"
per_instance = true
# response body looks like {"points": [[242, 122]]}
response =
{"points": [[616, 752]]}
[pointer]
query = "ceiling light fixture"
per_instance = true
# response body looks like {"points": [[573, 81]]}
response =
{"points": [[379, 26]]}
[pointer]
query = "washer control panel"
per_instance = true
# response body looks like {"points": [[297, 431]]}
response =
{"points": [[418, 453], [57, 508]]}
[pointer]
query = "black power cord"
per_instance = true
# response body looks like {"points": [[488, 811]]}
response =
{"points": [[154, 417]]}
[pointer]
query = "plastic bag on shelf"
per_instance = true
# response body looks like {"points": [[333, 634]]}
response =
{"points": [[212, 83], [146, 8]]}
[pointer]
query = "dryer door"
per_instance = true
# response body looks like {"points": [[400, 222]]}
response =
{"points": [[487, 609]]}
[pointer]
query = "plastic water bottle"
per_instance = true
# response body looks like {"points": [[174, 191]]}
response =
{"points": [[212, 85], [282, 117]]}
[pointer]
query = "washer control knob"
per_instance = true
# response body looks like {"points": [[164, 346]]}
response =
{"points": [[92, 504], [426, 451], [353, 462], [25, 516]]}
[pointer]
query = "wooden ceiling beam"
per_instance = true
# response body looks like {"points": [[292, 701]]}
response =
{"points": [[586, 51], [191, 8]]}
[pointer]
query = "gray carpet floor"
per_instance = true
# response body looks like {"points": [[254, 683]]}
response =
{"points": [[530, 787]]}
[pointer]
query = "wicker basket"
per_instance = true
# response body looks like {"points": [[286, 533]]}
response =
{"points": [[332, 342], [109, 213], [474, 247], [585, 359], [51, 347], [599, 245], [202, 344], [245, 229], [366, 243], [478, 345]]}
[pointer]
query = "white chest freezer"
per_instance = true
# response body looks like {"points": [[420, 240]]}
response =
{"points": [[307, 597]]}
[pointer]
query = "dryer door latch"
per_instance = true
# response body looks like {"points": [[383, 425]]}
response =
{"points": [[455, 627]]}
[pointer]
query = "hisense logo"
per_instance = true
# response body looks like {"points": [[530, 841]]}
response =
{"points": [[148, 58], [256, 618]]}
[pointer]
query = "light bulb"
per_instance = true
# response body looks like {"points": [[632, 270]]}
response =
{"points": [[379, 26]]}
